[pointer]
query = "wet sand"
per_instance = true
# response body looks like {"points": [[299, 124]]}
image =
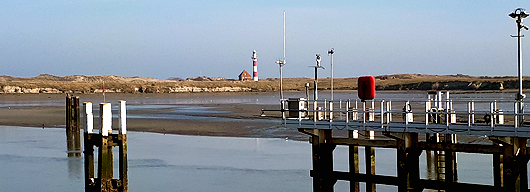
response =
{"points": [[232, 120]]}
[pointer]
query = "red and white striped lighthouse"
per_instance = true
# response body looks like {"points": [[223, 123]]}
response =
{"points": [[255, 62]]}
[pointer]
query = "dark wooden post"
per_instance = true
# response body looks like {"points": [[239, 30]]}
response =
{"points": [[508, 181], [353, 162], [408, 164], [451, 174], [323, 179], [73, 134]]}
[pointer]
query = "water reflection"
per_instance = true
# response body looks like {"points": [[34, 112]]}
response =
{"points": [[75, 168]]}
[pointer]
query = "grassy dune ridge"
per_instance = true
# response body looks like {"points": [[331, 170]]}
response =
{"points": [[93, 84]]}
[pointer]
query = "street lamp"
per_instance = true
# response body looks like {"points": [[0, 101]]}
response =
{"points": [[519, 14]]}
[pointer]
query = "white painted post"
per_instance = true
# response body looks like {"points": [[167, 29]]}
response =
{"points": [[89, 117], [355, 134], [123, 118], [372, 134], [492, 115], [427, 110], [340, 108], [472, 112], [105, 114], [382, 113], [330, 111], [516, 116], [348, 111], [468, 114], [325, 109]]}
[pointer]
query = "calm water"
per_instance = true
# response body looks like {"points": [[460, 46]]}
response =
{"points": [[160, 162]]}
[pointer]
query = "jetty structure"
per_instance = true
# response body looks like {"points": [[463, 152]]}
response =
{"points": [[412, 127], [103, 143]]}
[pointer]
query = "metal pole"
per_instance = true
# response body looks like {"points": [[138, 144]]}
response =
{"points": [[331, 53], [315, 82], [281, 81], [519, 14]]}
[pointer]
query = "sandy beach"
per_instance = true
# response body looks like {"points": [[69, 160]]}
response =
{"points": [[220, 119]]}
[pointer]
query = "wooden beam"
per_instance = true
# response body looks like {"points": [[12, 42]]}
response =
{"points": [[422, 183], [363, 142], [457, 147]]}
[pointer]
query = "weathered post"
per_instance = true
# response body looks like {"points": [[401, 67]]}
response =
{"points": [[408, 166], [353, 151], [323, 179], [514, 169], [105, 140], [73, 133]]}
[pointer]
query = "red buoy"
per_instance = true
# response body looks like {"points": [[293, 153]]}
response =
{"points": [[366, 87]]}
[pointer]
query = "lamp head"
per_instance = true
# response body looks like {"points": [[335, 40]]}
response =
{"points": [[318, 60], [519, 13]]}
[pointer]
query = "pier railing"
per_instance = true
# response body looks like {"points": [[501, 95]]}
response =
{"points": [[444, 116]]}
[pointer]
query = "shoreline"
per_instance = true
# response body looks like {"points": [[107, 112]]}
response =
{"points": [[227, 120]]}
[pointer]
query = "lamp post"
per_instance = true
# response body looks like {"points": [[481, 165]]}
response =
{"points": [[519, 14], [330, 52]]}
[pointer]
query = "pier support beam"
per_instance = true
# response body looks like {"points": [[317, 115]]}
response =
{"points": [[323, 179], [408, 161], [353, 151], [514, 169], [369, 154]]}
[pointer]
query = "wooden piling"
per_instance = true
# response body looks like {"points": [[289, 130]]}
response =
{"points": [[323, 161], [353, 151], [369, 154], [105, 140], [73, 132]]}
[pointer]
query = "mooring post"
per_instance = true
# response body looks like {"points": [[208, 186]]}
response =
{"points": [[353, 151], [105, 140], [73, 134], [105, 161], [123, 147], [323, 179], [89, 147], [370, 162]]}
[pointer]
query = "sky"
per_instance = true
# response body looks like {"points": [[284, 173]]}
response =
{"points": [[179, 39]]}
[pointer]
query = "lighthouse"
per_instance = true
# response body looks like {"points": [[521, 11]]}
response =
{"points": [[255, 63]]}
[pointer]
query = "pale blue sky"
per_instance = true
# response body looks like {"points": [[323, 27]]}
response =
{"points": [[162, 39]]}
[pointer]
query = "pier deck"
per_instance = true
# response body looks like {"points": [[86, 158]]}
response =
{"points": [[436, 118]]}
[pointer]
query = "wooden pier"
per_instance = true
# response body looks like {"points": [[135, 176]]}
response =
{"points": [[103, 142], [440, 127]]}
